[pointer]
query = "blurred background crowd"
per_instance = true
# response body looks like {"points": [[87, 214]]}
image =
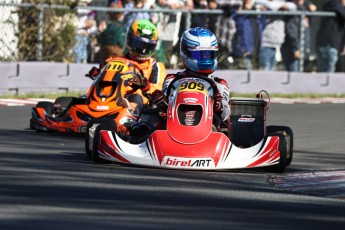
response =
{"points": [[271, 41]]}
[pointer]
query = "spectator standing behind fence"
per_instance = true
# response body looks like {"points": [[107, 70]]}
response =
{"points": [[175, 60], [117, 1], [112, 38], [212, 18], [225, 29], [165, 25], [168, 26], [86, 27], [247, 39], [208, 21], [199, 20], [130, 17], [273, 34], [307, 22], [291, 48], [330, 35], [340, 66]]}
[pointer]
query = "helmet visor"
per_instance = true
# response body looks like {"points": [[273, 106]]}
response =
{"points": [[203, 54], [139, 46]]}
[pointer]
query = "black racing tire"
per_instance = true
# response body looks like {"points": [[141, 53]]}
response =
{"points": [[32, 126], [87, 136], [101, 124], [47, 106], [36, 127], [283, 148], [287, 131]]}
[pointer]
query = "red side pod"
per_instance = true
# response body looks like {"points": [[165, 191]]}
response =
{"points": [[270, 154], [109, 148]]}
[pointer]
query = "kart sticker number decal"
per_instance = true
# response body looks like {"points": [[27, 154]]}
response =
{"points": [[192, 86], [117, 66]]}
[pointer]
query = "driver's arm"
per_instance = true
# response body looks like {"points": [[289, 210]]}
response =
{"points": [[224, 91]]}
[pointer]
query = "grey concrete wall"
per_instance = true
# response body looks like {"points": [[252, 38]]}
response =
{"points": [[284, 82], [26, 77]]}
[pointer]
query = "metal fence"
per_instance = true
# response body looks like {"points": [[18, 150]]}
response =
{"points": [[25, 28]]}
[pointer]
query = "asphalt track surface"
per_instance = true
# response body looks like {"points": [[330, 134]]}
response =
{"points": [[47, 182]]}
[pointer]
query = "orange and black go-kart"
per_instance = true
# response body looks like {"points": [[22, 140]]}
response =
{"points": [[105, 99]]}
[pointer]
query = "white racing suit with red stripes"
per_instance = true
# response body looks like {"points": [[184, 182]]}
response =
{"points": [[222, 86]]}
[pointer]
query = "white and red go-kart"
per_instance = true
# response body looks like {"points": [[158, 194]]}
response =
{"points": [[189, 141]]}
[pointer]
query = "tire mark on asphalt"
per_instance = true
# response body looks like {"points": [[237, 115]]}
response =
{"points": [[330, 183]]}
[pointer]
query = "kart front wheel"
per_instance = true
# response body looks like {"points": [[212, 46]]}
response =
{"points": [[283, 149], [94, 137], [288, 133], [47, 106], [89, 137]]}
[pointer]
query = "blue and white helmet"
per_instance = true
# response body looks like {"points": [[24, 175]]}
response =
{"points": [[199, 50]]}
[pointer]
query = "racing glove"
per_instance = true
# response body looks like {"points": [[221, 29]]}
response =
{"points": [[158, 99], [217, 102], [140, 82], [94, 71]]}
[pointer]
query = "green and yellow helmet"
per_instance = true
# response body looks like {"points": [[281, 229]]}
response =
{"points": [[141, 39]]}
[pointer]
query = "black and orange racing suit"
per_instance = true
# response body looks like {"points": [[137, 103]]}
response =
{"points": [[153, 71]]}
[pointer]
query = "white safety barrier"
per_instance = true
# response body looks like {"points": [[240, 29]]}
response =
{"points": [[27, 77]]}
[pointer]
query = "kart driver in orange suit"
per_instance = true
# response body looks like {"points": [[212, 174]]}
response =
{"points": [[140, 45], [198, 50]]}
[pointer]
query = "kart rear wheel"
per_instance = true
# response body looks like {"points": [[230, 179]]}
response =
{"points": [[32, 126], [48, 108], [288, 133], [283, 148], [106, 124]]}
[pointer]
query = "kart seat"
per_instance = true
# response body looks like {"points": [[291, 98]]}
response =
{"points": [[62, 104], [247, 121]]}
